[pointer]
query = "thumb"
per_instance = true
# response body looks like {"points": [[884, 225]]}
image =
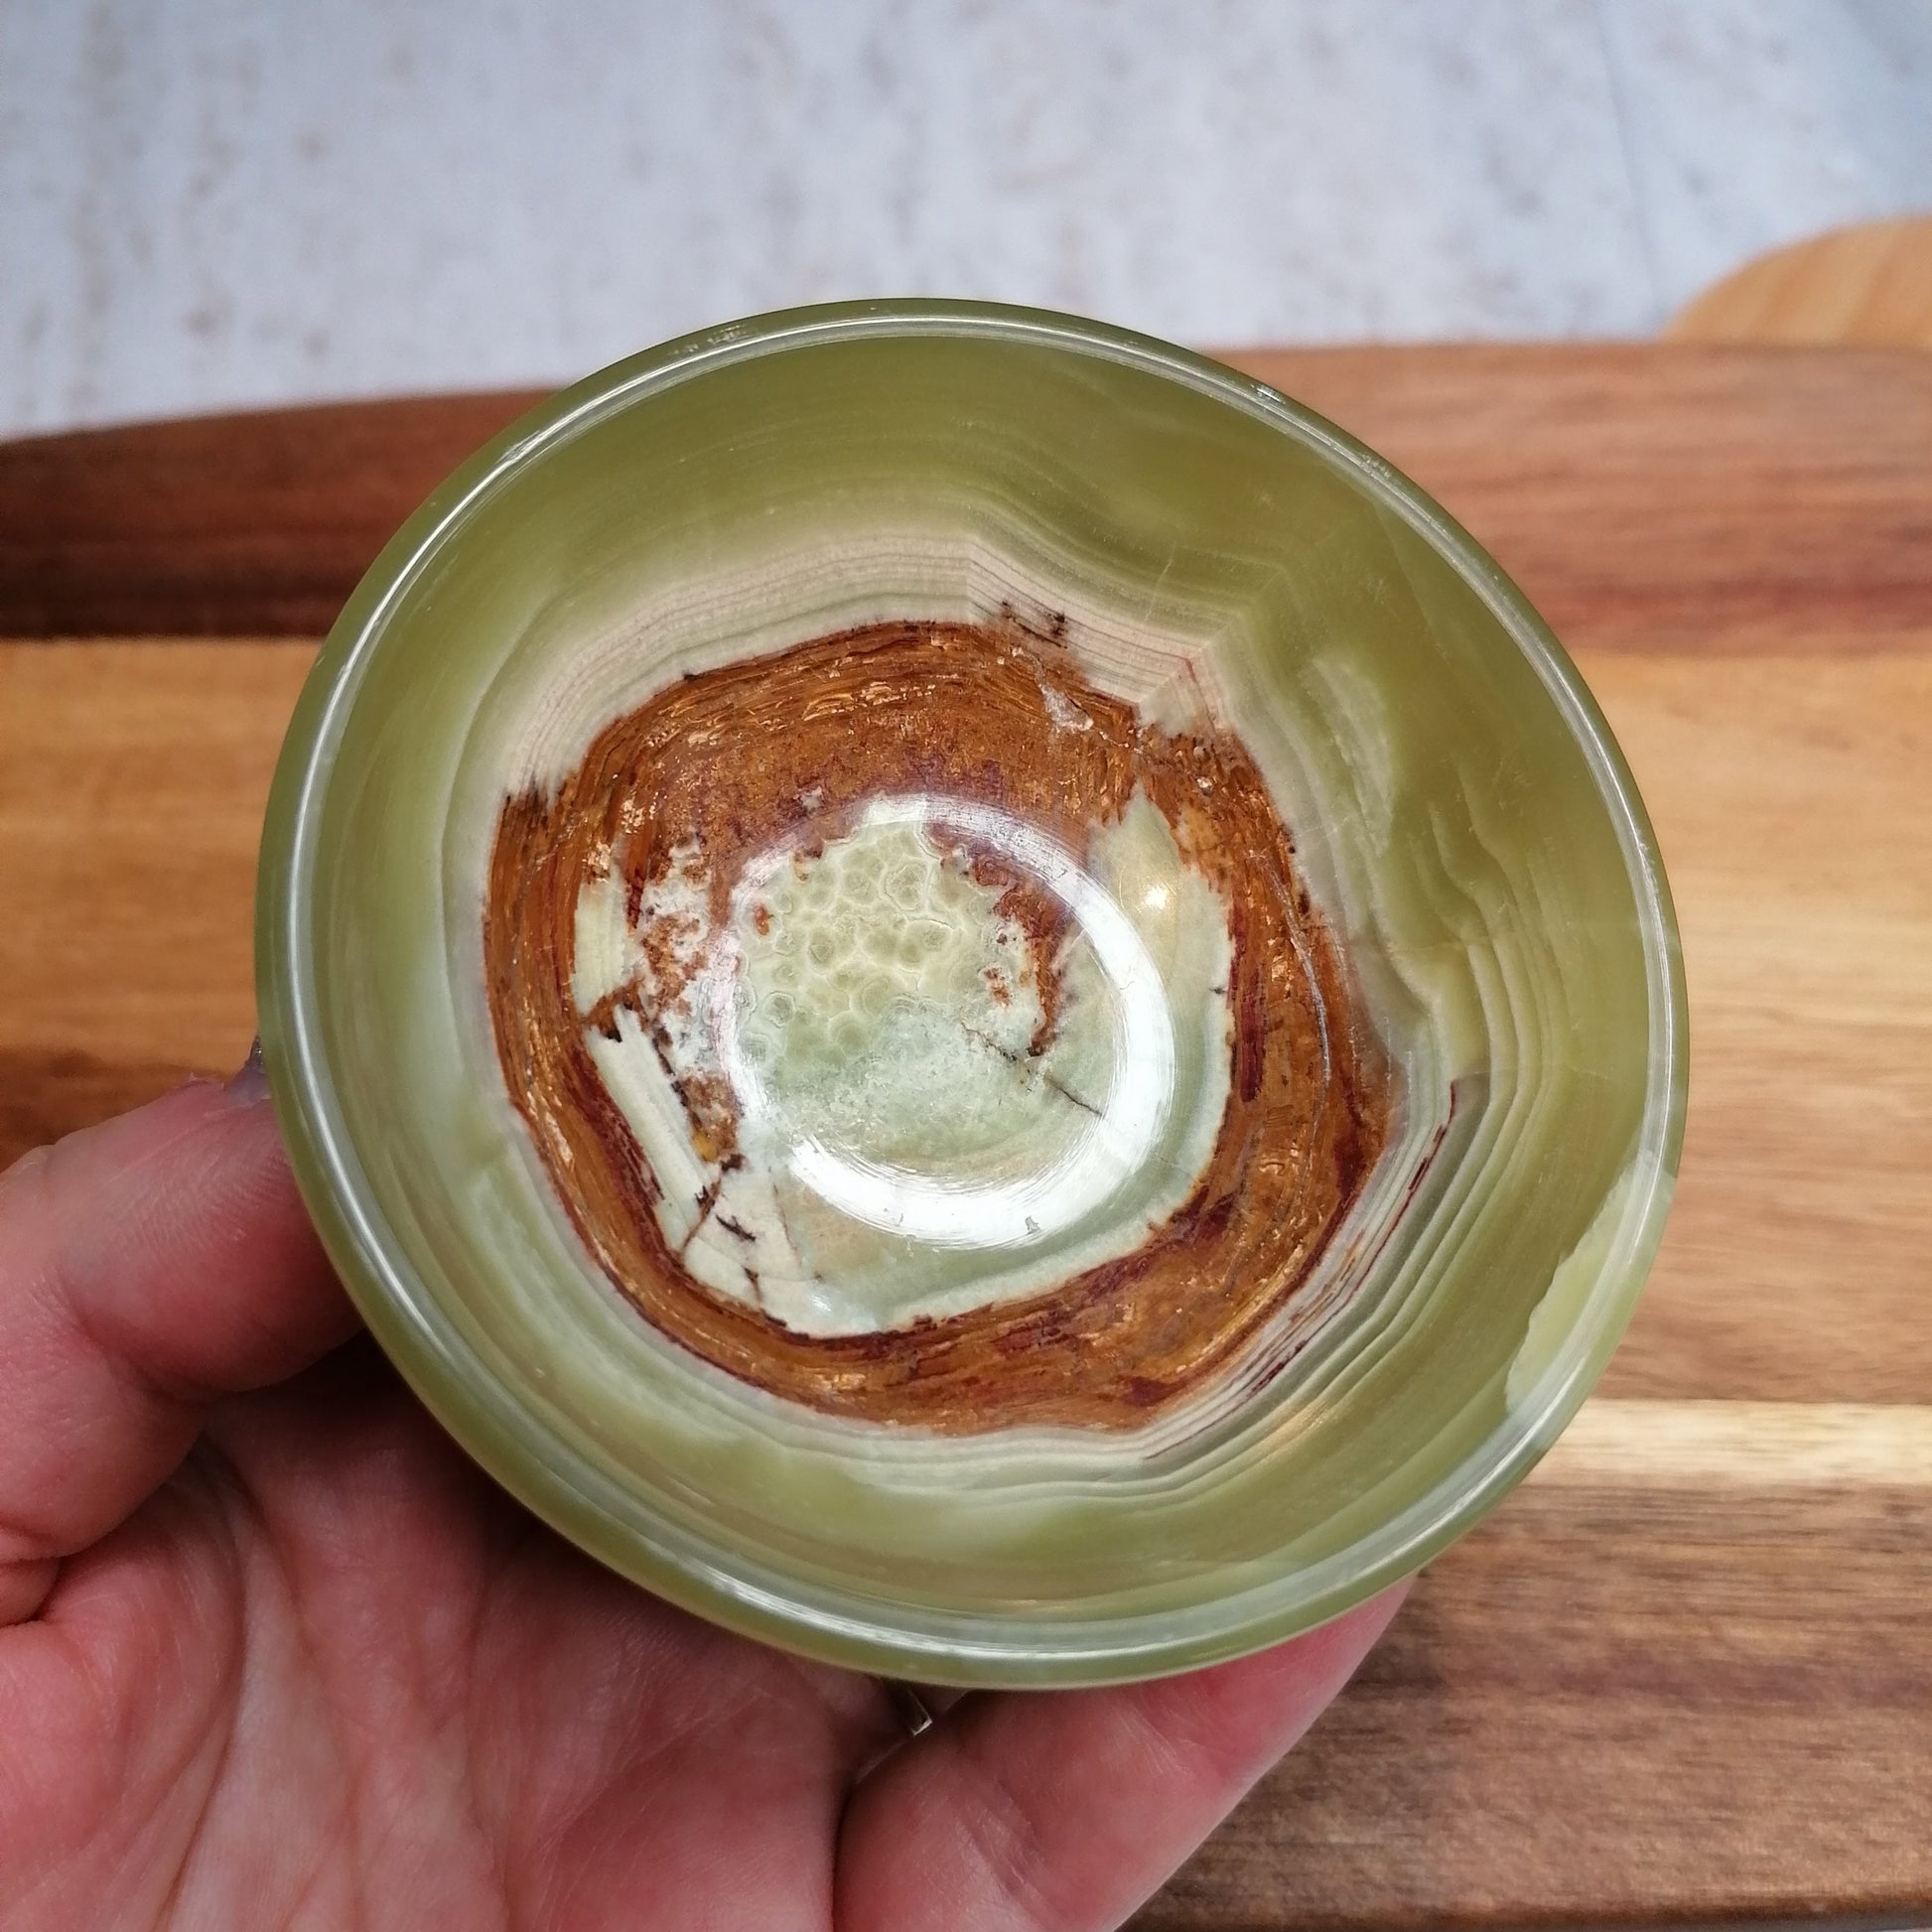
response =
{"points": [[147, 1266]]}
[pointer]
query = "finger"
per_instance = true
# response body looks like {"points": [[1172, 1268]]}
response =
{"points": [[1061, 1810], [147, 1266]]}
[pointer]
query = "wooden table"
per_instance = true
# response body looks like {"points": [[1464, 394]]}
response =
{"points": [[1686, 1672]]}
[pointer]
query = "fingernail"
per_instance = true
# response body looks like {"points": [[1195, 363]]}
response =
{"points": [[252, 1083]]}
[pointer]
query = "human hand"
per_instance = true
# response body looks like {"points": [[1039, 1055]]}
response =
{"points": [[274, 1653]]}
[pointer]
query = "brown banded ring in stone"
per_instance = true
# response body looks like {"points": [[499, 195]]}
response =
{"points": [[916, 1031]]}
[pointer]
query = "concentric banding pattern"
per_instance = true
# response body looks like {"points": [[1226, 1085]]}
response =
{"points": [[1228, 569], [917, 1032]]}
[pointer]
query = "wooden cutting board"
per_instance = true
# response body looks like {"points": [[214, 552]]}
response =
{"points": [[1686, 1672]]}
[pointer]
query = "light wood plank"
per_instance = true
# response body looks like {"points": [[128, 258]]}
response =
{"points": [[132, 782], [1790, 798], [1714, 1447], [1790, 804]]}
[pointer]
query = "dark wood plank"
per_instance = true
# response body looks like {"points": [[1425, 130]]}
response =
{"points": [[256, 524], [1736, 497], [1681, 496], [1616, 1701]]}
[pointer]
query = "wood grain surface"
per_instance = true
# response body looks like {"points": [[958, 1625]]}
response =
{"points": [[1685, 1674], [1740, 498], [1871, 283]]}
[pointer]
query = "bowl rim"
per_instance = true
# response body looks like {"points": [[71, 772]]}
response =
{"points": [[546, 1472]]}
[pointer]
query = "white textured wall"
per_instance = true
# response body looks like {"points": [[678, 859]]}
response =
{"points": [[206, 203]]}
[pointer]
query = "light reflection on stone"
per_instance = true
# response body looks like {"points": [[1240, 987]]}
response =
{"points": [[1106, 1149]]}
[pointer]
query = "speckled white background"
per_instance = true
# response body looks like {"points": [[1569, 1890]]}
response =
{"points": [[207, 202]]}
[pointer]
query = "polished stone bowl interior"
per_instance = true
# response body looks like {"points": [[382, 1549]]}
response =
{"points": [[1483, 933]]}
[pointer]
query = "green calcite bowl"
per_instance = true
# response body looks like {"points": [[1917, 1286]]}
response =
{"points": [[1469, 831]]}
